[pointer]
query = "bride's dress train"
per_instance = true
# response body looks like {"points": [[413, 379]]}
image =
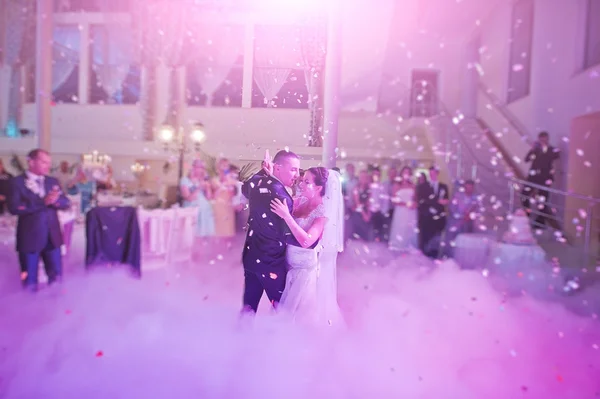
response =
{"points": [[310, 294]]}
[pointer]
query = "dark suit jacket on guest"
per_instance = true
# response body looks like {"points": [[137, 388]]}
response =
{"points": [[265, 246], [430, 211], [37, 222], [542, 168]]}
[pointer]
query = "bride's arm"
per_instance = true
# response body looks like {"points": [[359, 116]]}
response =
{"points": [[305, 238]]}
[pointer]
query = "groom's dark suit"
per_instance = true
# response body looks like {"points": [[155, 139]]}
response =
{"points": [[38, 228], [263, 256]]}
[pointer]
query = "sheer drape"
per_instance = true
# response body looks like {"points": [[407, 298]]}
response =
{"points": [[313, 35], [161, 29], [277, 52], [65, 53], [112, 56], [20, 28], [218, 49]]}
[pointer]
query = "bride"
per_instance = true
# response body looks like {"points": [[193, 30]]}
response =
{"points": [[316, 223]]}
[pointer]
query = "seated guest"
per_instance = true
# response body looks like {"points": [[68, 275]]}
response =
{"points": [[35, 198]]}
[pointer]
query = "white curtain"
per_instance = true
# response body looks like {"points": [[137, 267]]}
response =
{"points": [[65, 53], [277, 52], [112, 54], [218, 49]]}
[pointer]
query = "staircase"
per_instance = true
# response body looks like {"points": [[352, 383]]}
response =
{"points": [[468, 153]]}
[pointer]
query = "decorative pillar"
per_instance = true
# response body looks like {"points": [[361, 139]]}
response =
{"points": [[248, 65], [20, 23], [43, 72], [331, 95], [84, 65], [313, 39], [470, 87]]}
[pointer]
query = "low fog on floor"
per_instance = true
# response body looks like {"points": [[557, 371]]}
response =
{"points": [[414, 330]]}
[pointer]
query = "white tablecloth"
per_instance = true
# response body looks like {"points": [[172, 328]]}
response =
{"points": [[521, 268], [472, 250]]}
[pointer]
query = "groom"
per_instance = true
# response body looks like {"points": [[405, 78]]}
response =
{"points": [[35, 198], [263, 256]]}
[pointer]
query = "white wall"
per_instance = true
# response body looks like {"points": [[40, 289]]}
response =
{"points": [[559, 90], [388, 38]]}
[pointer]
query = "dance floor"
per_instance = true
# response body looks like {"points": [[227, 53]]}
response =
{"points": [[414, 329]]}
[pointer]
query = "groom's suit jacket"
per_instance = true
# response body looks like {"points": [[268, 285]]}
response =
{"points": [[265, 246], [38, 223]]}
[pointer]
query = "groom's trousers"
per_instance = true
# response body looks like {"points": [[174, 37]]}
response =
{"points": [[256, 283], [29, 262]]}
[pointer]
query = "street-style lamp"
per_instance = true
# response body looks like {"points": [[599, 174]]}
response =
{"points": [[179, 142]]}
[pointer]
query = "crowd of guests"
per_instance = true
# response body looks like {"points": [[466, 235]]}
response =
{"points": [[221, 206], [410, 212]]}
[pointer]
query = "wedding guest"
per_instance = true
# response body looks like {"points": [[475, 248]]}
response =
{"points": [[4, 186], [64, 175], [387, 208], [361, 217], [85, 187], [196, 191], [403, 234], [378, 204], [432, 197], [106, 181], [541, 173], [349, 180], [224, 187], [35, 198], [240, 203], [464, 209]]}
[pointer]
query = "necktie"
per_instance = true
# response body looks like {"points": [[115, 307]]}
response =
{"points": [[41, 186]]}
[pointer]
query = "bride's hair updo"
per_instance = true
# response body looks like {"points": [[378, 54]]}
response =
{"points": [[321, 174]]}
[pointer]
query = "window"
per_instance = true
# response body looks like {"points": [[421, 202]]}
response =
{"points": [[229, 90], [592, 35], [279, 79], [114, 79], [91, 6], [519, 75], [65, 64], [293, 93]]}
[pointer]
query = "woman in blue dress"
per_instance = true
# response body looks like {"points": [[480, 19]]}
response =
{"points": [[196, 191], [84, 186]]}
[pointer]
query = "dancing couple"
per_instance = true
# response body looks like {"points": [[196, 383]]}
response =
{"points": [[292, 243]]}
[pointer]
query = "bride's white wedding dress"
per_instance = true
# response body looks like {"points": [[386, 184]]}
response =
{"points": [[310, 294], [299, 298]]}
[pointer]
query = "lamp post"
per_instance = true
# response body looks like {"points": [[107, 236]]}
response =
{"points": [[177, 141]]}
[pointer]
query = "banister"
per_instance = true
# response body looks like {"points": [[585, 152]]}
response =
{"points": [[506, 113]]}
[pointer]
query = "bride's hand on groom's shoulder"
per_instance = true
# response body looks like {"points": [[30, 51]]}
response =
{"points": [[280, 208]]}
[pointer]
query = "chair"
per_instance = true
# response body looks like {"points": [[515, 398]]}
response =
{"points": [[184, 233], [156, 228]]}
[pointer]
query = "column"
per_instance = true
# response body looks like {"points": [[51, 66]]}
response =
{"points": [[84, 65], [331, 86], [248, 65], [470, 87], [43, 73]]}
